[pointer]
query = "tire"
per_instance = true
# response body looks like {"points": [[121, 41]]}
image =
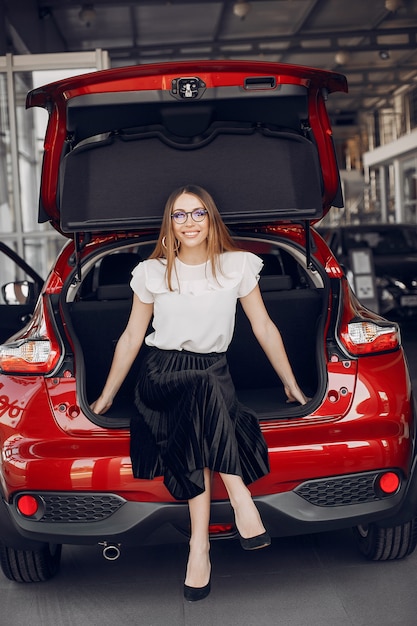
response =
{"points": [[386, 544], [30, 566]]}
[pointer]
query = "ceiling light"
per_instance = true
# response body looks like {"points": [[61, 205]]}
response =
{"points": [[342, 57], [384, 55], [393, 5], [87, 14], [241, 8]]}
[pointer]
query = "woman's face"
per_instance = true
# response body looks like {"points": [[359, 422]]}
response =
{"points": [[191, 233]]}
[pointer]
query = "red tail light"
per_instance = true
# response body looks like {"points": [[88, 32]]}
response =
{"points": [[221, 529], [27, 505], [389, 483], [35, 351], [369, 337], [34, 356]]}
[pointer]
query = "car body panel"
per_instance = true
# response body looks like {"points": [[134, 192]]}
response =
{"points": [[46, 425], [46, 428]]}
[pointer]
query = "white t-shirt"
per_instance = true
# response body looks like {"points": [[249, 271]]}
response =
{"points": [[199, 314]]}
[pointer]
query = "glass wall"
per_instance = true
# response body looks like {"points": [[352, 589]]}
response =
{"points": [[410, 190], [21, 151], [7, 223]]}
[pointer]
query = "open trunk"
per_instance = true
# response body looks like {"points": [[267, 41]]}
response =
{"points": [[98, 309], [256, 136]]}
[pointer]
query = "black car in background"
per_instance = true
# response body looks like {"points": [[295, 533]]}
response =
{"points": [[393, 249]]}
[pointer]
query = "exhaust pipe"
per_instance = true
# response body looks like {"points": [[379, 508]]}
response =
{"points": [[111, 551]]}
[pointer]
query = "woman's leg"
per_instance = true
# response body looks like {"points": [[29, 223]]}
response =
{"points": [[247, 518], [198, 567]]}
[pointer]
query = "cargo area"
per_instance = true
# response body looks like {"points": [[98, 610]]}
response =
{"points": [[294, 296]]}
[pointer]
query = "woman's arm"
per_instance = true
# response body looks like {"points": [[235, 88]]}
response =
{"points": [[271, 342], [126, 350]]}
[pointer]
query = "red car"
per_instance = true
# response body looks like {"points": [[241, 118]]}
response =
{"points": [[257, 137]]}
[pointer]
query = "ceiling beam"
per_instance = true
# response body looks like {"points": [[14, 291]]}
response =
{"points": [[60, 4], [369, 40]]}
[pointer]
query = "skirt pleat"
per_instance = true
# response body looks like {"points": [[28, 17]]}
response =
{"points": [[189, 418]]}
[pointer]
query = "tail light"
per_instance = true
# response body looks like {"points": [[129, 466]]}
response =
{"points": [[32, 356], [37, 349], [370, 337]]}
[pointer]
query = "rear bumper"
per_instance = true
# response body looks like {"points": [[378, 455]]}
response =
{"points": [[89, 518]]}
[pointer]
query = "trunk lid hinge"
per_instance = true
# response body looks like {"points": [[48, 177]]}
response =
{"points": [[79, 245]]}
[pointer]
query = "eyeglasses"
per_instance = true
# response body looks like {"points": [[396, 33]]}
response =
{"points": [[180, 217]]}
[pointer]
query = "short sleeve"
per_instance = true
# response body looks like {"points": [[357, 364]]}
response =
{"points": [[252, 265], [138, 284]]}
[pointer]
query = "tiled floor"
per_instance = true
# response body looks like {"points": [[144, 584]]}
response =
{"points": [[317, 580]]}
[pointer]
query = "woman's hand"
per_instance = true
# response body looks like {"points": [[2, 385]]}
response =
{"points": [[295, 395], [101, 405], [127, 348]]}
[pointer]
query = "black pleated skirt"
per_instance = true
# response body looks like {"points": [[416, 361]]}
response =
{"points": [[189, 418]]}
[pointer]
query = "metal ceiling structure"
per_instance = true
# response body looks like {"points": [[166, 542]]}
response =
{"points": [[372, 42]]}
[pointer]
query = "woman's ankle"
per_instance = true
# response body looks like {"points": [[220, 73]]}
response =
{"points": [[199, 546], [198, 566], [248, 520]]}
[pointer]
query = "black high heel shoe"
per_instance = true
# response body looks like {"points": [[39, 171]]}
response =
{"points": [[255, 543], [193, 594]]}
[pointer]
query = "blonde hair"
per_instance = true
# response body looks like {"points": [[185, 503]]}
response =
{"points": [[218, 240]]}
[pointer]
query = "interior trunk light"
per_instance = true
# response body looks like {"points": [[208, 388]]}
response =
{"points": [[27, 505], [368, 337]]}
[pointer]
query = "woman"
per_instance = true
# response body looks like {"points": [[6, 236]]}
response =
{"points": [[189, 421]]}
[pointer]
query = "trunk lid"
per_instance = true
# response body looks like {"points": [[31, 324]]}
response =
{"points": [[255, 135]]}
